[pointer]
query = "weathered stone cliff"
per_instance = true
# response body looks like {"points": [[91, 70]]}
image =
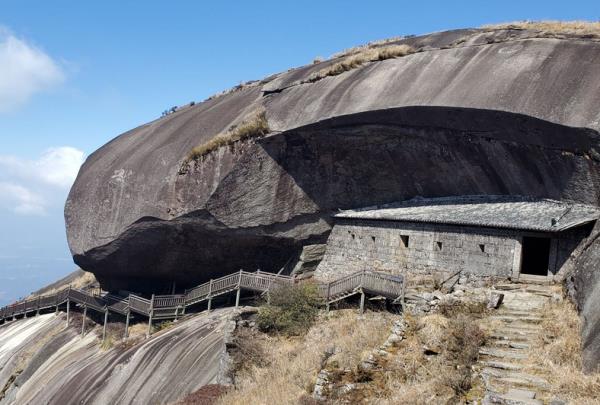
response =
{"points": [[472, 112]]}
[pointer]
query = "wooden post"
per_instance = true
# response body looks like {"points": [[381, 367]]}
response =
{"points": [[127, 325], [68, 312], [362, 301], [209, 295], [173, 287], [83, 321], [150, 317], [237, 297], [104, 326]]}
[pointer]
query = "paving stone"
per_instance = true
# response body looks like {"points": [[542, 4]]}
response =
{"points": [[508, 354], [502, 365], [511, 344], [494, 398], [507, 287], [522, 327], [515, 375], [516, 337], [521, 393], [524, 382], [511, 319]]}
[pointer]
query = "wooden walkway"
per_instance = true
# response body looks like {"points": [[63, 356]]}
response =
{"points": [[164, 307]]}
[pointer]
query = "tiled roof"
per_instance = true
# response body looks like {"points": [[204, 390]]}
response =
{"points": [[512, 212]]}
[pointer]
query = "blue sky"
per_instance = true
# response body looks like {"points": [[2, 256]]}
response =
{"points": [[74, 74]]}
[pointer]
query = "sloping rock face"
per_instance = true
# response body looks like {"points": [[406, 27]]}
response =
{"points": [[474, 112], [585, 290], [42, 362]]}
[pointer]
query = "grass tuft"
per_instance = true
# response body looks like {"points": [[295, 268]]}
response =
{"points": [[254, 126], [577, 28], [354, 59]]}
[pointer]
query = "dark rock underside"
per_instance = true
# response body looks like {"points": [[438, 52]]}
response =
{"points": [[282, 191]]}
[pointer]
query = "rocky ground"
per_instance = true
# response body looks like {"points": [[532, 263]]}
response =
{"points": [[512, 344]]}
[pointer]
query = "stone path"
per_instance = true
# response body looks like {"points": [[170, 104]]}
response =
{"points": [[513, 330]]}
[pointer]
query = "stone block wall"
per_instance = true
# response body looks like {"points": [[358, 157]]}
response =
{"points": [[399, 247]]}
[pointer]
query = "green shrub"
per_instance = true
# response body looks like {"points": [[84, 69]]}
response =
{"points": [[291, 309], [163, 326]]}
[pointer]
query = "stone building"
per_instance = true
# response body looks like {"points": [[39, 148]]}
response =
{"points": [[476, 237]]}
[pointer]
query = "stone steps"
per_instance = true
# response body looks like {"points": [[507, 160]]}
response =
{"points": [[512, 331]]}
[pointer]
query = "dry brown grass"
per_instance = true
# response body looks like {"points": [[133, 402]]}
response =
{"points": [[293, 363], [358, 49], [85, 280], [206, 395], [360, 56], [558, 353], [255, 125], [414, 375], [576, 28]]}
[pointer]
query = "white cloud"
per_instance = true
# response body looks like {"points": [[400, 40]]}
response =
{"points": [[24, 71], [22, 200], [29, 187], [56, 167]]}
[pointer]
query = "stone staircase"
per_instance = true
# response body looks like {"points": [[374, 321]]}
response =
{"points": [[513, 330]]}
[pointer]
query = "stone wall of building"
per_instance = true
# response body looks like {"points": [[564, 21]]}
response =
{"points": [[397, 247]]}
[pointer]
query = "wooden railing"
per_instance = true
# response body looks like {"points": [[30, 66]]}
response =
{"points": [[117, 303], [172, 306], [140, 305]]}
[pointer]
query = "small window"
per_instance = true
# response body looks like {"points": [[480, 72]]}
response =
{"points": [[353, 236], [439, 245], [373, 238], [404, 240], [482, 247]]}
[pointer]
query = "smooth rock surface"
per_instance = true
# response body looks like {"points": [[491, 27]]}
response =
{"points": [[477, 118], [54, 365]]}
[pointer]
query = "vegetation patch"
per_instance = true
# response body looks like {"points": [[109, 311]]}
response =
{"points": [[207, 395], [433, 364], [255, 125], [291, 364], [585, 29], [360, 56], [291, 309], [247, 350], [164, 325], [559, 351]]}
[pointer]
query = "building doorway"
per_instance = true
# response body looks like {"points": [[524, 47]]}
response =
{"points": [[536, 256]]}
